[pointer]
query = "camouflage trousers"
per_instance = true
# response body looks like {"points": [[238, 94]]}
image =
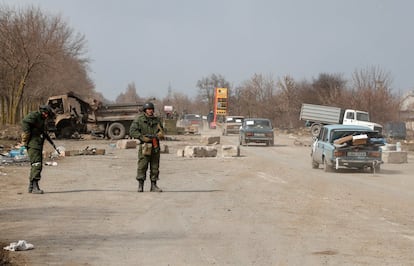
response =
{"points": [[36, 163], [153, 161]]}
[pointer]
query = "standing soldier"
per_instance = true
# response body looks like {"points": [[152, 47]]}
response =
{"points": [[33, 137], [148, 129]]}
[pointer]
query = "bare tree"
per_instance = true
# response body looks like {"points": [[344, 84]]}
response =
{"points": [[130, 96], [371, 92], [329, 89], [257, 96], [207, 85], [289, 102], [32, 42]]}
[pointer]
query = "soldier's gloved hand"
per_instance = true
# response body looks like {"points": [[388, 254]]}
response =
{"points": [[160, 135]]}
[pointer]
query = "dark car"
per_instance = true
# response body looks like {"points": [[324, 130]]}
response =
{"points": [[256, 130]]}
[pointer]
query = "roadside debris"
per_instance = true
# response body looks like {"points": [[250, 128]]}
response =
{"points": [[86, 151], [16, 155], [19, 246]]}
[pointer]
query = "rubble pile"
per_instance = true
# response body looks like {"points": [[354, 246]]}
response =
{"points": [[10, 132]]}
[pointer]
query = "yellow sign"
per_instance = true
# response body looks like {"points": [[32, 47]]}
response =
{"points": [[221, 92]]}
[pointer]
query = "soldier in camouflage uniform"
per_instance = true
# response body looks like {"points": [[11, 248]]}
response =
{"points": [[33, 137], [149, 130]]}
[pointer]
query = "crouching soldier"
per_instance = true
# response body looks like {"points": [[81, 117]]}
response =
{"points": [[33, 137]]}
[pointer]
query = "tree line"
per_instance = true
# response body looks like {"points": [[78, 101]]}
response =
{"points": [[281, 99], [40, 56]]}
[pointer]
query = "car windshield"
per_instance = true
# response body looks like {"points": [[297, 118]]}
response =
{"points": [[258, 123], [192, 117], [234, 120]]}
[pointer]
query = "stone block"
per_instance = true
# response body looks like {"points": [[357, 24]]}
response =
{"points": [[209, 140], [200, 151], [126, 144], [230, 151], [180, 153], [394, 157]]}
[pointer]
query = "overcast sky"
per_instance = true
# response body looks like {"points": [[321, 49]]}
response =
{"points": [[154, 43]]}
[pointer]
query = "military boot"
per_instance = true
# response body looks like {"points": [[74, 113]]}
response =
{"points": [[140, 185], [30, 189], [36, 188], [154, 187]]}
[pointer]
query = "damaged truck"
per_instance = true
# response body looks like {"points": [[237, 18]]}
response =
{"points": [[347, 146], [317, 116], [75, 115]]}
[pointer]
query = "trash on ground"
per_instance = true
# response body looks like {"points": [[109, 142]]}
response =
{"points": [[19, 246]]}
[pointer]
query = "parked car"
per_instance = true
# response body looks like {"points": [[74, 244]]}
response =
{"points": [[232, 125], [347, 146], [257, 130]]}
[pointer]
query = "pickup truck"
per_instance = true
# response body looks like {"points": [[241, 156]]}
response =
{"points": [[347, 146], [317, 116]]}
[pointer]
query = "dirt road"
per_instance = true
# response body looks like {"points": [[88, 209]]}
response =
{"points": [[266, 207]]}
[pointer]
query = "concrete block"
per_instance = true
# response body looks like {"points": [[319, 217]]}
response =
{"points": [[165, 149], [126, 144], [180, 153], [209, 140], [394, 156], [230, 150], [200, 151]]}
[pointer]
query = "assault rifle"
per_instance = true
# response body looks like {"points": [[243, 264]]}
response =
{"points": [[47, 137]]}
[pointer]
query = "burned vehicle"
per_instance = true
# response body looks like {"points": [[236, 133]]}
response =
{"points": [[347, 146], [73, 114]]}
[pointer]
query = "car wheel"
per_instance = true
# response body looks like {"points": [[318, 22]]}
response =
{"points": [[243, 141], [326, 167], [315, 165]]}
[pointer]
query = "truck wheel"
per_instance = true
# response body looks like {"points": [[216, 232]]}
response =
{"points": [[315, 129], [66, 132], [116, 131]]}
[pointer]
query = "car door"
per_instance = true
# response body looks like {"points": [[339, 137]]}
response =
{"points": [[319, 145]]}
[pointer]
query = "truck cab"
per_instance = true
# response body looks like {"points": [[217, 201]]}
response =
{"points": [[360, 118]]}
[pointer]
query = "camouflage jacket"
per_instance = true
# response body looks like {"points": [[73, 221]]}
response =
{"points": [[144, 125], [33, 126]]}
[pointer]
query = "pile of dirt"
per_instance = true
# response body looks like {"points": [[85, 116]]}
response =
{"points": [[9, 259], [10, 132]]}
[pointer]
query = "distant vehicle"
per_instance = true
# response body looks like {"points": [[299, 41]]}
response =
{"points": [[231, 125], [317, 116], [192, 123], [347, 146], [395, 130], [257, 130], [192, 119]]}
